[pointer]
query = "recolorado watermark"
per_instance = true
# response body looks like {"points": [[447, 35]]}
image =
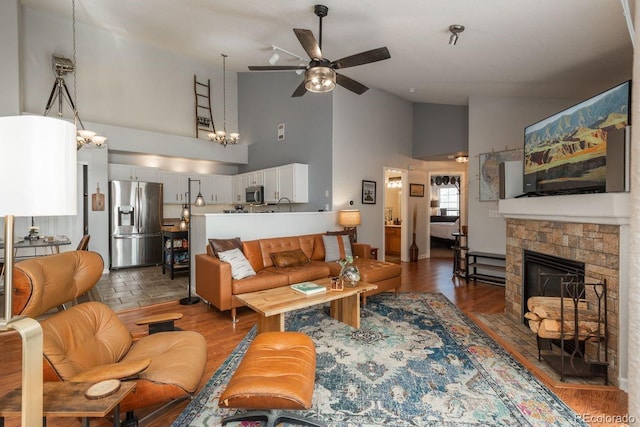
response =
{"points": [[607, 419]]}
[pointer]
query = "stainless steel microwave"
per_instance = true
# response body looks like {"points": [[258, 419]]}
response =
{"points": [[254, 194]]}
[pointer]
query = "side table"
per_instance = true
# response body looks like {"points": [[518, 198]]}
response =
{"points": [[66, 399]]}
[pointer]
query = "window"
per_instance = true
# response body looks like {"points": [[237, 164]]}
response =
{"points": [[449, 200]]}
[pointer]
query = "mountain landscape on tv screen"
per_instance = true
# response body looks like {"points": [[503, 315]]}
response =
{"points": [[573, 147]]}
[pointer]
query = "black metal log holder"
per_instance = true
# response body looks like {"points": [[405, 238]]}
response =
{"points": [[572, 360]]}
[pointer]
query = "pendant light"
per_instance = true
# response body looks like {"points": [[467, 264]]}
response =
{"points": [[221, 135]]}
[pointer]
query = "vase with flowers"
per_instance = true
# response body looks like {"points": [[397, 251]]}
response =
{"points": [[349, 273]]}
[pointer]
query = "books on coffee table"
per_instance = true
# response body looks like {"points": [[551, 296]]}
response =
{"points": [[308, 288]]}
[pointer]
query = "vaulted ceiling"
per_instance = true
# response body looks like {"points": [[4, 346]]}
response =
{"points": [[526, 48]]}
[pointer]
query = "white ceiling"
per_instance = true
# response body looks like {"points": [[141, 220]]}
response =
{"points": [[527, 48]]}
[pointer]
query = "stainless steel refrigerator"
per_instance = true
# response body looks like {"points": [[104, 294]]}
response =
{"points": [[135, 220]]}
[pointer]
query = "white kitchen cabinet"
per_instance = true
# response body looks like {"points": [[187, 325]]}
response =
{"points": [[120, 172], [253, 178], [222, 189], [238, 188], [174, 187], [290, 181], [271, 186]]}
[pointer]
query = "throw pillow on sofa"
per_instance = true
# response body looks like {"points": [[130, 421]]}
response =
{"points": [[240, 267], [336, 247], [221, 245], [342, 233], [292, 258]]}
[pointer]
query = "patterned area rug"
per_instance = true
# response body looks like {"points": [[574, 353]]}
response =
{"points": [[415, 361]]}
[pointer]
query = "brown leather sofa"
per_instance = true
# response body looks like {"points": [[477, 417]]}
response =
{"points": [[215, 284], [89, 343]]}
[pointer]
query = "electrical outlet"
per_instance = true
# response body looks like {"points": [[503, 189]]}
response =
{"points": [[326, 193], [281, 132]]}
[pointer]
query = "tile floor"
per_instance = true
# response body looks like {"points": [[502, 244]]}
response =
{"points": [[136, 287]]}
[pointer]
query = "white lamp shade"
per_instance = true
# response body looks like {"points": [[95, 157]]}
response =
{"points": [[349, 217], [38, 166]]}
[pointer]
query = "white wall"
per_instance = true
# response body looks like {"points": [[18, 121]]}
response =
{"points": [[370, 131], [10, 54], [497, 124], [139, 96], [119, 81]]}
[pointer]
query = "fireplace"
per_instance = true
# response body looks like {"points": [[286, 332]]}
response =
{"points": [[536, 264], [595, 250]]}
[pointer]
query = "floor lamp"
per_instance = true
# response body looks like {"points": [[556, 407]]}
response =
{"points": [[186, 212], [38, 169]]}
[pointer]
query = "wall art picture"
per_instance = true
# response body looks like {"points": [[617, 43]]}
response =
{"points": [[489, 172], [368, 192], [416, 190]]}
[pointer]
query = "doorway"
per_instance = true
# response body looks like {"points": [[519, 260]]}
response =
{"points": [[447, 209], [394, 204]]}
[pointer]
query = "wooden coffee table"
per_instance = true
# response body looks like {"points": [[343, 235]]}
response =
{"points": [[271, 305]]}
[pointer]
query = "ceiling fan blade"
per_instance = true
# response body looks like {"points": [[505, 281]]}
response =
{"points": [[276, 67], [300, 90], [349, 83], [309, 43], [362, 58]]}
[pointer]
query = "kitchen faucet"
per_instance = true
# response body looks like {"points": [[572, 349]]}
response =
{"points": [[281, 199]]}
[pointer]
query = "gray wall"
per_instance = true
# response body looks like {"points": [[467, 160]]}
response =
{"points": [[264, 101], [440, 129]]}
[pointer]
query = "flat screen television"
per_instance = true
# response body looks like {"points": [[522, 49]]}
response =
{"points": [[566, 153]]}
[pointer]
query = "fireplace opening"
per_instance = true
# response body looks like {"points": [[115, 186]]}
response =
{"points": [[536, 264]]}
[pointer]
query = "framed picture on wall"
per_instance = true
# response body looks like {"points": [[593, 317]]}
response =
{"points": [[416, 190], [368, 192]]}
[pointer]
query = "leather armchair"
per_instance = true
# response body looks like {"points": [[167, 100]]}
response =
{"points": [[89, 343]]}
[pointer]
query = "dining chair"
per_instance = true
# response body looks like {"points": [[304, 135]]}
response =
{"points": [[84, 243]]}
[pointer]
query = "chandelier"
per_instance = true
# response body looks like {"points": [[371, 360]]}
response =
{"points": [[60, 91], [221, 135]]}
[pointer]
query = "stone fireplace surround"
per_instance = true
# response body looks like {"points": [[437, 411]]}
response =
{"points": [[590, 228]]}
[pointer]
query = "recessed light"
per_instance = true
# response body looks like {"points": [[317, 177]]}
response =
{"points": [[412, 89]]}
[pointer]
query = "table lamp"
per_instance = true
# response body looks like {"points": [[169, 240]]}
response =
{"points": [[38, 167], [350, 219], [435, 204]]}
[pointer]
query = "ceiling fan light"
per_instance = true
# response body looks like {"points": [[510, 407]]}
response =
{"points": [[320, 79]]}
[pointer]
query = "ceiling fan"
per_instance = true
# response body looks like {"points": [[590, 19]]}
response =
{"points": [[320, 74]]}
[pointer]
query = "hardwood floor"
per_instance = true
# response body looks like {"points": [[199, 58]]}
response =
{"points": [[222, 337]]}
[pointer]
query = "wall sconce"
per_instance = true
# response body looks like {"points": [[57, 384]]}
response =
{"points": [[394, 182]]}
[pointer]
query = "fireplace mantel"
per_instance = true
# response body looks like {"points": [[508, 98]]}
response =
{"points": [[602, 208]]}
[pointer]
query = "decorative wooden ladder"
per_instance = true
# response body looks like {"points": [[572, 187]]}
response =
{"points": [[204, 115]]}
